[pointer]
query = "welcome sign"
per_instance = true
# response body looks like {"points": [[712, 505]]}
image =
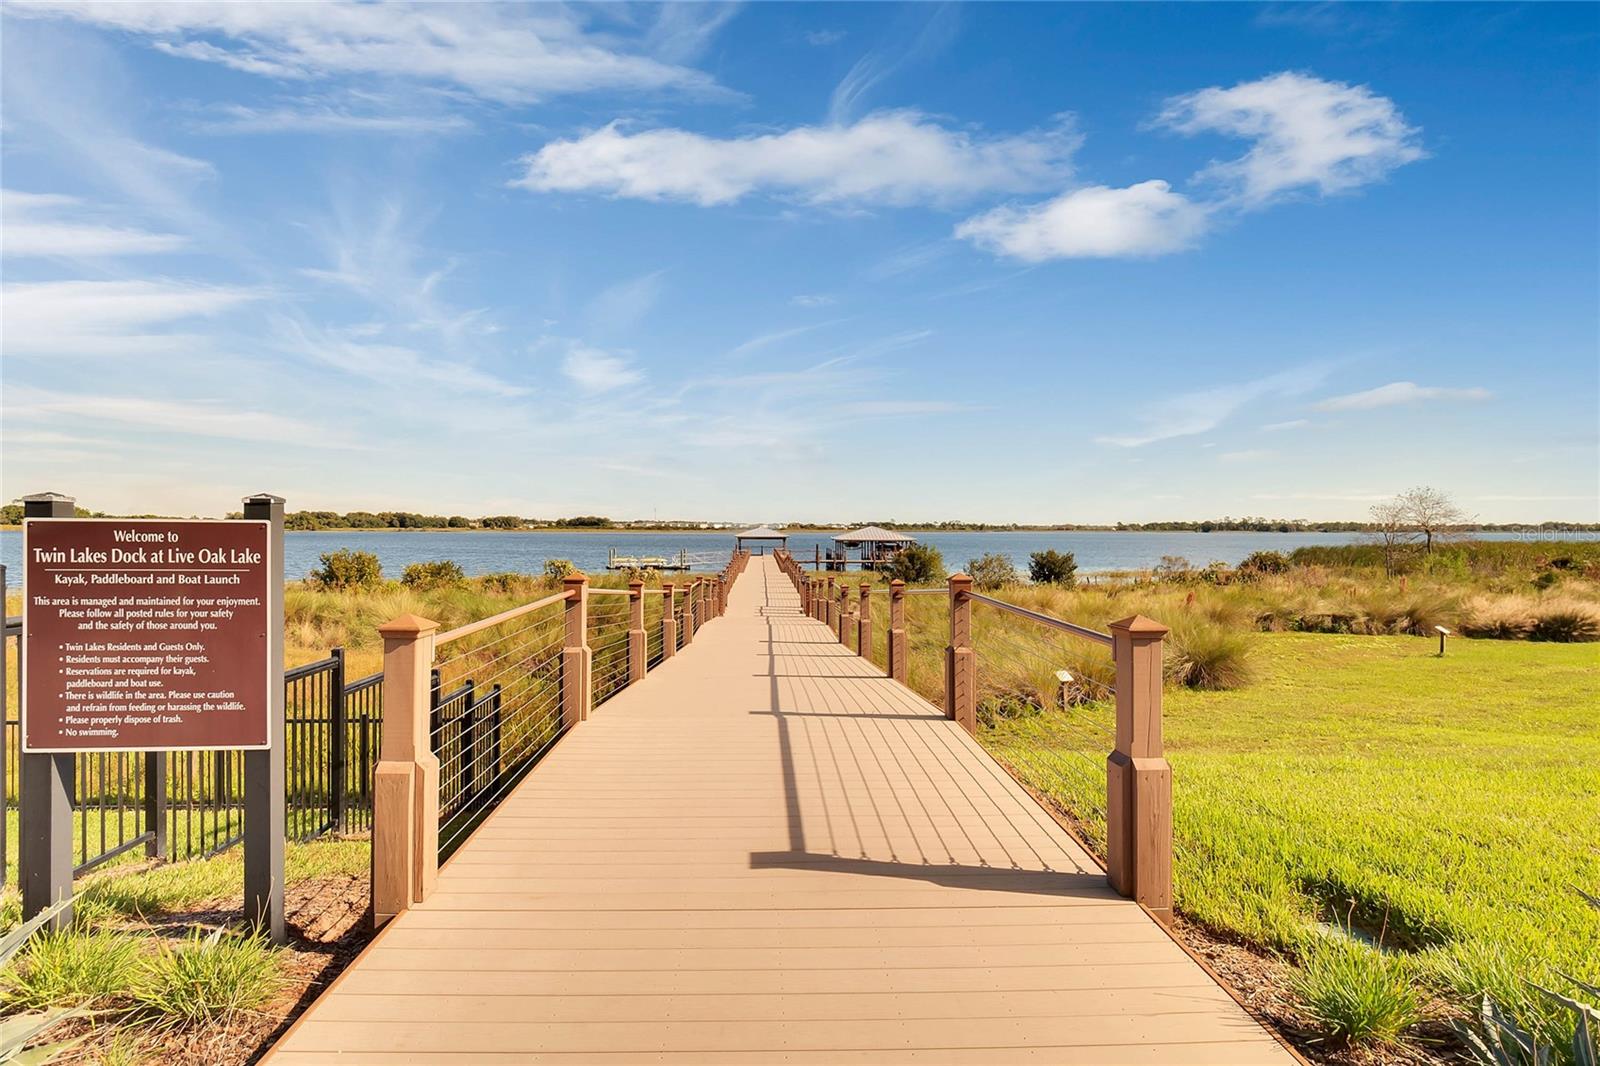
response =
{"points": [[144, 634]]}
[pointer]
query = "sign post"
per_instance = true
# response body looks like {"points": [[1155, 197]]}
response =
{"points": [[264, 768], [44, 845], [152, 635]]}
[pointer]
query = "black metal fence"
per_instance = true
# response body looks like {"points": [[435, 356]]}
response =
{"points": [[190, 804]]}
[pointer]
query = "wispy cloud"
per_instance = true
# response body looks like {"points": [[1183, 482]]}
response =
{"points": [[1293, 423], [500, 52], [618, 308], [1399, 392], [49, 225], [326, 118], [813, 299], [1195, 412], [198, 418], [823, 38], [67, 318], [892, 157], [766, 340], [933, 36], [594, 370], [1246, 455]]}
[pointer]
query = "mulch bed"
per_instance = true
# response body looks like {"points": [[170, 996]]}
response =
{"points": [[329, 922]]}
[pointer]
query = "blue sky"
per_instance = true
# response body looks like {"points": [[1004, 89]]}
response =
{"points": [[999, 262]]}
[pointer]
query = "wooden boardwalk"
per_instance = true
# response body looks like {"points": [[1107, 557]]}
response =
{"points": [[769, 852]]}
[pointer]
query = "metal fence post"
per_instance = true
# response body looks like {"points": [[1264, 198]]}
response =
{"points": [[155, 800], [1138, 779], [405, 785], [577, 659], [897, 631], [338, 746], [638, 642], [264, 770], [44, 840], [960, 665], [669, 623], [864, 622]]}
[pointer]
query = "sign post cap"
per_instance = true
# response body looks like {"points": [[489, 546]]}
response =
{"points": [[263, 497], [47, 497]]}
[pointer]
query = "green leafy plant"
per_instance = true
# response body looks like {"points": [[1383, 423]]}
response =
{"points": [[991, 571], [1051, 567], [917, 564], [207, 977], [347, 569], [1356, 994], [558, 570], [19, 1030], [67, 968], [1260, 563], [443, 573]]}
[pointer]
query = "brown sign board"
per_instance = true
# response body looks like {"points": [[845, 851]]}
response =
{"points": [[144, 634]]}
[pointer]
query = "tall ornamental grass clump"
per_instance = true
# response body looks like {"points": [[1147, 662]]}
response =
{"points": [[1356, 994], [68, 968], [208, 977]]}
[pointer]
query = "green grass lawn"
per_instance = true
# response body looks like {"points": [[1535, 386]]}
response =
{"points": [[1451, 805]]}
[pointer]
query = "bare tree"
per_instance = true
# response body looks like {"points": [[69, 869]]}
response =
{"points": [[1432, 513], [1392, 531]]}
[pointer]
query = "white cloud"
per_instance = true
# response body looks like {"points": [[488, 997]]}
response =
{"points": [[764, 340], [823, 38], [594, 370], [895, 157], [1293, 423], [1195, 412], [107, 317], [1094, 222], [495, 51], [813, 299], [1308, 133], [390, 364], [1247, 455], [1399, 392], [51, 225]]}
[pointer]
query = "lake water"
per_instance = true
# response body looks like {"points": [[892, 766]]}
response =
{"points": [[479, 552]]}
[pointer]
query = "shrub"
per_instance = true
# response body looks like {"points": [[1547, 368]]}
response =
{"points": [[1258, 564], [1565, 621], [558, 570], [1174, 568], [68, 968], [1051, 567], [208, 977], [346, 569], [1356, 994], [435, 575], [502, 521], [991, 571], [1496, 617], [509, 584], [917, 564], [1207, 656]]}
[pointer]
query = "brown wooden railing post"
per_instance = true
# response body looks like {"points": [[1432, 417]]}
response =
{"points": [[831, 606], [1138, 779], [864, 622], [804, 588], [638, 640], [577, 659], [688, 611], [819, 608], [669, 624], [960, 665], [405, 783], [847, 616], [897, 631]]}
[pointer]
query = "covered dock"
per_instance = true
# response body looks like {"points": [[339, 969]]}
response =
{"points": [[760, 535]]}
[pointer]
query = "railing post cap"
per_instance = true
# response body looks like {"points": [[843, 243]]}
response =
{"points": [[635, 588], [574, 581], [961, 579], [1140, 626], [897, 584], [408, 625]]}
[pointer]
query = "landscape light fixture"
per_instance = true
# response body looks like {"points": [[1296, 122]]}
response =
{"points": [[1443, 632]]}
